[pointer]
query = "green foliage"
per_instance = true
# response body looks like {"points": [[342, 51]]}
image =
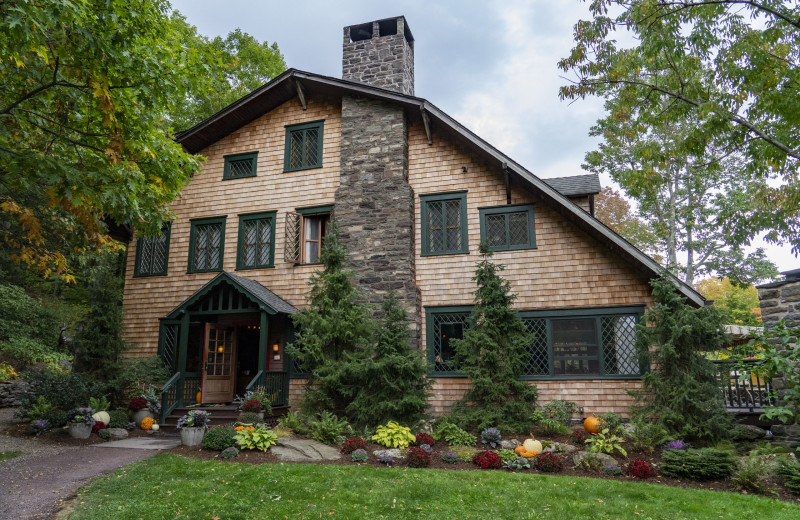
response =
{"points": [[134, 375], [560, 410], [612, 421], [261, 395], [548, 425], [682, 391], [703, 464], [465, 453], [7, 372], [294, 421], [393, 435], [738, 303], [219, 437], [56, 417], [99, 404], [334, 332], [752, 475], [327, 428], [359, 456], [606, 442], [645, 436], [453, 435], [229, 453], [720, 69], [778, 352], [62, 391], [29, 330], [518, 464], [613, 210], [39, 409], [393, 383], [789, 470], [492, 354], [117, 419], [250, 418], [507, 455], [260, 438], [766, 448], [104, 434]]}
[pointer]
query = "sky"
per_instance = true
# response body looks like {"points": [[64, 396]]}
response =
{"points": [[492, 65]]}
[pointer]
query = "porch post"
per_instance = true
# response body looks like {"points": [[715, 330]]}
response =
{"points": [[263, 342], [183, 346]]}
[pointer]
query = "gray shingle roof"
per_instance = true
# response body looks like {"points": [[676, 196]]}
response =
{"points": [[264, 295], [575, 185]]}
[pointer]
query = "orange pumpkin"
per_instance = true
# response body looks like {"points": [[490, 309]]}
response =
{"points": [[198, 396], [592, 424], [519, 450]]}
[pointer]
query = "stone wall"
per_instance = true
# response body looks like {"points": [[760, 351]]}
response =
{"points": [[10, 392], [385, 61]]}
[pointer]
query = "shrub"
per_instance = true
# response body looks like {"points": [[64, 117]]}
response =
{"points": [[639, 468], [519, 463], [491, 436], [453, 435], [752, 475], [217, 438], [250, 418], [40, 408], [359, 456], [606, 442], [507, 455], [703, 464], [450, 457], [613, 470], [117, 419], [295, 421], [424, 438], [7, 372], [133, 375], [56, 417], [559, 410], [326, 428], [99, 404], [487, 460], [229, 453], [790, 471], [579, 437], [465, 453], [646, 436], [252, 405], [418, 458], [548, 462], [29, 330], [64, 391], [256, 439], [548, 425], [611, 421], [104, 434], [351, 445], [393, 435]]}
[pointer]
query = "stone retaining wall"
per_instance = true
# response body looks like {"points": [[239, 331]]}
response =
{"points": [[10, 391]]}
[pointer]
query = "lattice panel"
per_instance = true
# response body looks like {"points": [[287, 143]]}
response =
{"points": [[169, 345], [208, 239], [619, 345], [447, 326], [291, 244], [241, 167], [496, 230], [435, 226], [518, 229], [146, 256], [538, 362], [453, 215]]}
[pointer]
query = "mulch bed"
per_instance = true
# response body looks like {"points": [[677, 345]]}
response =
{"points": [[61, 437]]}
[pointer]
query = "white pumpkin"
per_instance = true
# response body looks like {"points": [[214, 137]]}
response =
{"points": [[532, 445], [103, 417], [154, 427]]}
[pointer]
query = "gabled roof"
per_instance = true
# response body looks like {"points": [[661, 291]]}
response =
{"points": [[257, 293], [575, 185], [287, 86]]}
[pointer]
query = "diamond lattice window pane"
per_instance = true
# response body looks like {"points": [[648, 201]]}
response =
{"points": [[215, 241], [619, 345], [518, 229], [159, 254], [446, 327], [241, 167], [250, 230], [201, 248], [538, 362], [296, 154], [146, 256], [312, 147], [264, 241], [453, 215], [496, 230], [435, 227]]}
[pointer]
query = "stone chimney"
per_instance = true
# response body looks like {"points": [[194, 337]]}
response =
{"points": [[381, 54]]}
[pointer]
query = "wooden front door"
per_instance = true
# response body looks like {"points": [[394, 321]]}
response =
{"points": [[218, 364]]}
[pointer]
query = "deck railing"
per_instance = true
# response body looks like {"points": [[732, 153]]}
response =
{"points": [[745, 390], [176, 390], [276, 385]]}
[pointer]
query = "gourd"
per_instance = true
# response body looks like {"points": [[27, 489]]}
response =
{"points": [[102, 417], [532, 446], [147, 423], [155, 427], [198, 397], [592, 424]]}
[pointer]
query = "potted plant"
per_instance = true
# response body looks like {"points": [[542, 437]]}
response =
{"points": [[80, 422], [138, 406], [253, 406], [260, 394], [193, 427]]}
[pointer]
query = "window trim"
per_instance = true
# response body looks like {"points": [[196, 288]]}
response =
{"points": [[311, 212], [506, 210], [166, 230], [243, 219], [287, 148], [226, 174], [443, 197], [192, 243]]}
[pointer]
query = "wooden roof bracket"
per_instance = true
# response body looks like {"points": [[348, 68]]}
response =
{"points": [[301, 94], [507, 181], [427, 122]]}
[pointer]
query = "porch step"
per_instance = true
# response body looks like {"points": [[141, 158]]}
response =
{"points": [[219, 415]]}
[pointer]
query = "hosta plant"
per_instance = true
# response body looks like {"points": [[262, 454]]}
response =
{"points": [[394, 435], [359, 456], [606, 442], [418, 458], [507, 455], [258, 439]]}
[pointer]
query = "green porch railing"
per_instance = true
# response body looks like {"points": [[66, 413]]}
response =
{"points": [[174, 390], [276, 385]]}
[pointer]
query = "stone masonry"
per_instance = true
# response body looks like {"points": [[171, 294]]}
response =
{"points": [[381, 54]]}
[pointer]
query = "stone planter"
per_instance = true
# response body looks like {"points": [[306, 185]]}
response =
{"points": [[192, 436], [139, 416], [79, 430], [260, 414]]}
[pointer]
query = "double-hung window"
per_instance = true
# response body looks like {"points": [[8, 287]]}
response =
{"points": [[256, 241], [240, 165], [206, 245], [508, 228], [444, 223], [303, 149], [152, 254]]}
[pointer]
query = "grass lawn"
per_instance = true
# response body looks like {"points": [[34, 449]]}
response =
{"points": [[168, 486], [5, 455]]}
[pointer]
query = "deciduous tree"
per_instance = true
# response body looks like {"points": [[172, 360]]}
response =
{"points": [[611, 208], [738, 303]]}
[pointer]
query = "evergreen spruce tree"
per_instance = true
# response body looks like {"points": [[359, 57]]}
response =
{"points": [[334, 331], [492, 354], [394, 386], [682, 391]]}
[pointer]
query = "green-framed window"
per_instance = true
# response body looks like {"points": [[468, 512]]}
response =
{"points": [[303, 148], [595, 343], [152, 254], [240, 165], [444, 223], [256, 247], [306, 229], [206, 245], [508, 228]]}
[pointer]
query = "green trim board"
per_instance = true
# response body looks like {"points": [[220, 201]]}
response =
{"points": [[240, 165], [444, 224], [315, 210], [303, 146], [255, 248], [508, 228], [152, 254], [206, 245]]}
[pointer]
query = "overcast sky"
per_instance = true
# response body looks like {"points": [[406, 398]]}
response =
{"points": [[489, 64]]}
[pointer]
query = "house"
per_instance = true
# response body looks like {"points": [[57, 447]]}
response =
{"points": [[414, 192]]}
